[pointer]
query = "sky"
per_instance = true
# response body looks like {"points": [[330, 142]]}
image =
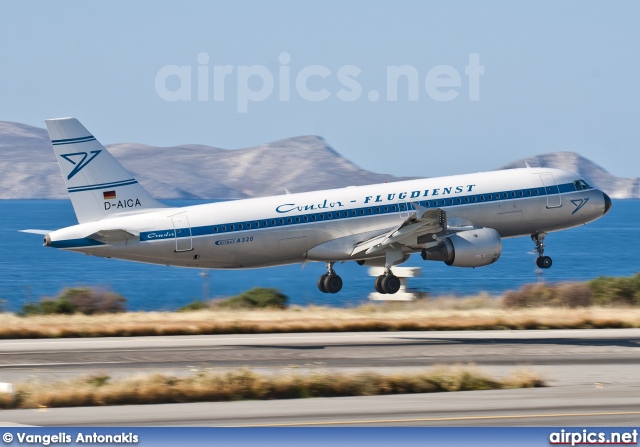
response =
{"points": [[409, 88]]}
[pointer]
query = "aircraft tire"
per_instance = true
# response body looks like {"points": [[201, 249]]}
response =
{"points": [[333, 283], [377, 284], [391, 284], [321, 283], [544, 262]]}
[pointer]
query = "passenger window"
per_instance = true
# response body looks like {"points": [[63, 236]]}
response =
{"points": [[298, 219], [233, 227], [466, 200], [224, 228], [459, 200], [386, 208], [482, 198], [536, 191], [215, 229], [475, 198]]}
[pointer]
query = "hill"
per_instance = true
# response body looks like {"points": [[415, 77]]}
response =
{"points": [[616, 187], [29, 169]]}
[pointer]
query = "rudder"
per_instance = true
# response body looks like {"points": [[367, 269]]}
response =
{"points": [[98, 185]]}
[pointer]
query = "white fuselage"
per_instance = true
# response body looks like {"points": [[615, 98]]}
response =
{"points": [[325, 225]]}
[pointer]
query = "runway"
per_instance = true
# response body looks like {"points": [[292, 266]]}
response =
{"points": [[592, 377]]}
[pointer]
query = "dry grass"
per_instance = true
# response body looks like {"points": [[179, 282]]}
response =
{"points": [[245, 384], [476, 313]]}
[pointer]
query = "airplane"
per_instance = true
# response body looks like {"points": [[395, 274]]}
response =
{"points": [[459, 220]]}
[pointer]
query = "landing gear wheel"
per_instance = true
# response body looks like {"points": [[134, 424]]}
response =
{"points": [[321, 283], [333, 283], [544, 262], [391, 283], [377, 284]]}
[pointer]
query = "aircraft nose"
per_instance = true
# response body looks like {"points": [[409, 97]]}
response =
{"points": [[607, 204]]}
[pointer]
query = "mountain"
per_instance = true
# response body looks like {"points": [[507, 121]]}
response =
{"points": [[28, 169], [615, 187]]}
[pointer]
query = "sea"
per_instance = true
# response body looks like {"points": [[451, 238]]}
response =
{"points": [[29, 271]]}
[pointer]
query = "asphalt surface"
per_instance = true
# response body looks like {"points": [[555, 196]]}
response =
{"points": [[592, 376]]}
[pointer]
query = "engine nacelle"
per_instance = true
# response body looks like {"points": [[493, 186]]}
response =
{"points": [[470, 248]]}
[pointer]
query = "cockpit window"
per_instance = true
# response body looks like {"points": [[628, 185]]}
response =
{"points": [[581, 185]]}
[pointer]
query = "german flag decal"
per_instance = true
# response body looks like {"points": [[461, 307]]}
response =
{"points": [[108, 195]]}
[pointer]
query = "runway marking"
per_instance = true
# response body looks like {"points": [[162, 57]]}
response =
{"points": [[117, 351], [462, 334], [29, 365], [182, 338], [266, 338], [444, 419]]}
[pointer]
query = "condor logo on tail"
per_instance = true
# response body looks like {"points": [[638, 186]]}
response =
{"points": [[81, 163]]}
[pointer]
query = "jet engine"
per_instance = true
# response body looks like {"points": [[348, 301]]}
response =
{"points": [[469, 248]]}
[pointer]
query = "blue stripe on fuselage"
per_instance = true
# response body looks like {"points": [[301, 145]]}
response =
{"points": [[75, 243], [382, 209]]}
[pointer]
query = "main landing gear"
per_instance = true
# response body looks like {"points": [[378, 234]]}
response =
{"points": [[543, 262], [387, 283], [330, 282]]}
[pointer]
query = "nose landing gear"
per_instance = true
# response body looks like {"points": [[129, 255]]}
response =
{"points": [[543, 262], [330, 282]]}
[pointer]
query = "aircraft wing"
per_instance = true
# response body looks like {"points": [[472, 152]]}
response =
{"points": [[111, 236], [422, 221]]}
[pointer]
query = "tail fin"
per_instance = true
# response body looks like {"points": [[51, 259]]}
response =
{"points": [[98, 185]]}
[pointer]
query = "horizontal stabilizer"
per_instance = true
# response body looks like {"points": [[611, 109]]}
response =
{"points": [[43, 232]]}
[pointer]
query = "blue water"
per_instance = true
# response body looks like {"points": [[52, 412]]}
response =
{"points": [[28, 271]]}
